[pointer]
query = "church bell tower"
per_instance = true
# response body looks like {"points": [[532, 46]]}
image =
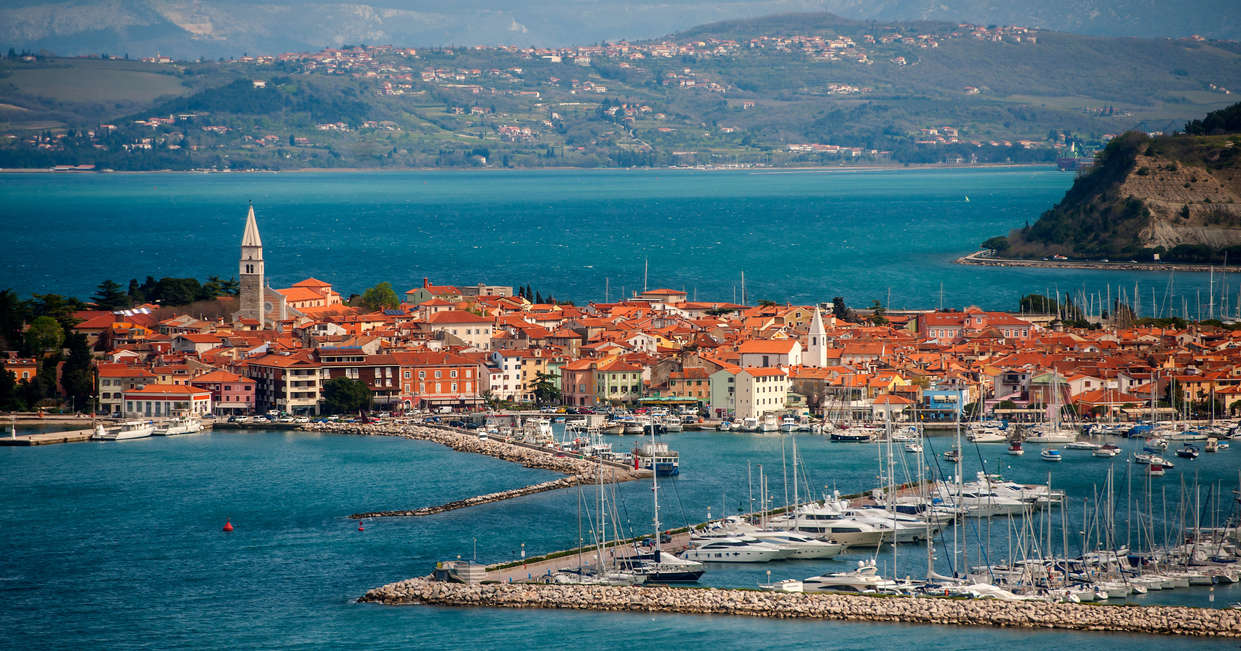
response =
{"points": [[251, 272]]}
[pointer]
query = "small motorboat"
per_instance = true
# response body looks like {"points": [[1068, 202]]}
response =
{"points": [[1051, 455], [953, 455], [1107, 450], [1155, 470], [1082, 445], [1015, 449], [1187, 452], [914, 448]]}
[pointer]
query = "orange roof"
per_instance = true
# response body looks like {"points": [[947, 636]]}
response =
{"points": [[311, 282], [767, 346], [221, 376], [457, 316], [169, 390]]}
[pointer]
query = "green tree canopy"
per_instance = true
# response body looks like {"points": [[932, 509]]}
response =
{"points": [[545, 391], [345, 396], [381, 297], [44, 334]]}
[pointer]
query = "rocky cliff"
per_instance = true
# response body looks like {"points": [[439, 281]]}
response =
{"points": [[1178, 196]]}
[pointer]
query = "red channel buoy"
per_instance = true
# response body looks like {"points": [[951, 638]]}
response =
{"points": [[360, 528], [228, 525]]}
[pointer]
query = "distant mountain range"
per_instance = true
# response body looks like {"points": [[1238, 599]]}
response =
{"points": [[225, 28]]}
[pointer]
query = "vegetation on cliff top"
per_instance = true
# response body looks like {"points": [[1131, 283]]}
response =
{"points": [[1099, 217]]}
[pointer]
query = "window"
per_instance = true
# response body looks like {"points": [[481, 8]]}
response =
{"points": [[438, 374], [452, 373], [422, 375], [407, 374], [454, 387]]}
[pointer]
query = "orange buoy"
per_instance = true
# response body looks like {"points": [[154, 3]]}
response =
{"points": [[228, 525], [360, 528]]}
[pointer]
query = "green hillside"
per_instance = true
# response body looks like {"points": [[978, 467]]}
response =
{"points": [[809, 89]]}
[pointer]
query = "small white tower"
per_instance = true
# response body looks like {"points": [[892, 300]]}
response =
{"points": [[816, 344]]}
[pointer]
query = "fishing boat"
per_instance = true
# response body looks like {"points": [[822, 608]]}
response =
{"points": [[788, 424], [179, 425], [658, 457], [129, 430], [1015, 449], [749, 424], [1187, 452], [673, 423], [1051, 455], [1107, 450], [724, 426], [614, 427]]}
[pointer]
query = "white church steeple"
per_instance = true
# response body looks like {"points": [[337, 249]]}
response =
{"points": [[816, 343]]}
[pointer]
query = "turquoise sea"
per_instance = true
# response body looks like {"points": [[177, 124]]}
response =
{"points": [[886, 235], [118, 545]]}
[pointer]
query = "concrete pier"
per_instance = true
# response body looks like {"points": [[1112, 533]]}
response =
{"points": [[1150, 620], [48, 438]]}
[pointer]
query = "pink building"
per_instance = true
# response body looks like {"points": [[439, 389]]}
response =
{"points": [[231, 394]]}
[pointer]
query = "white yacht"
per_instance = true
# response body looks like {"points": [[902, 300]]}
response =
{"points": [[130, 429], [788, 424], [864, 579], [749, 424], [179, 425], [768, 424], [1051, 434], [803, 547], [987, 435], [734, 550], [820, 522]]}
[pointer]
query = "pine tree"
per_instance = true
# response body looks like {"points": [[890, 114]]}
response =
{"points": [[538, 298], [109, 297]]}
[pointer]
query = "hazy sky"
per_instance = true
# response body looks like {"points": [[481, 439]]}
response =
{"points": [[227, 27]]}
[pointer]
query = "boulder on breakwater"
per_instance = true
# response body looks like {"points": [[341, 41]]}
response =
{"points": [[1153, 620]]}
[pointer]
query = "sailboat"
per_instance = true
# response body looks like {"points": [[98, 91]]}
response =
{"points": [[660, 566]]}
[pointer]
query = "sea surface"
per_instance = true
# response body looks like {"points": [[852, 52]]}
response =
{"points": [[800, 236], [118, 544]]}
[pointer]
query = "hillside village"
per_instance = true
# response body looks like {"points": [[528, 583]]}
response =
{"points": [[833, 94], [474, 347]]}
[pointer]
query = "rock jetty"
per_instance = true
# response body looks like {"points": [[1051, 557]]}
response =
{"points": [[472, 501], [530, 456], [1152, 620]]}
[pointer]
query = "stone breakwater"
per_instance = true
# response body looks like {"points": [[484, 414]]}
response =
{"points": [[530, 456], [1152, 620], [472, 501]]}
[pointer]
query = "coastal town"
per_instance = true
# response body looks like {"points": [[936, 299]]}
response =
{"points": [[462, 347]]}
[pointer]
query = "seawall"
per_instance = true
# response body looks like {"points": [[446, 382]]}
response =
{"points": [[1151, 620]]}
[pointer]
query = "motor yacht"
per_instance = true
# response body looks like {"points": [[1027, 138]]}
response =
{"points": [[1051, 455], [129, 430], [734, 550], [863, 579], [788, 424]]}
